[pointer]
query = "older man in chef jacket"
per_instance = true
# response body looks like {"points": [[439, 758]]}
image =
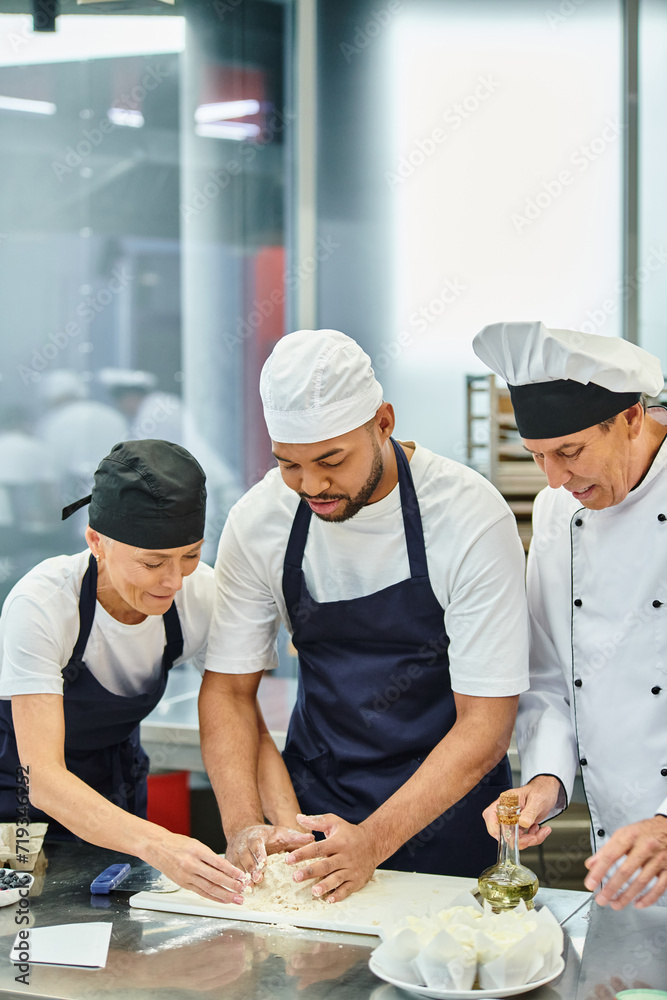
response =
{"points": [[597, 595], [399, 575]]}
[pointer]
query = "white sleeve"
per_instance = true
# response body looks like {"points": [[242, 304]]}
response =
{"points": [[198, 659], [245, 616], [545, 738], [35, 648], [486, 618], [197, 597]]}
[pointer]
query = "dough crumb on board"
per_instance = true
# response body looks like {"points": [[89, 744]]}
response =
{"points": [[278, 891]]}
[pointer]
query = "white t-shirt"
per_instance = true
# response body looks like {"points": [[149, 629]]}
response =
{"points": [[40, 624], [475, 560]]}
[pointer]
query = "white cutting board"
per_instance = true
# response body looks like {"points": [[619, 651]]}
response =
{"points": [[389, 897]]}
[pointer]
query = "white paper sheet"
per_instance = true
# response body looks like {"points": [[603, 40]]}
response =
{"points": [[82, 945]]}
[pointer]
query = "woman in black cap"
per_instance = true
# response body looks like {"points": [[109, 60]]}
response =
{"points": [[87, 643]]}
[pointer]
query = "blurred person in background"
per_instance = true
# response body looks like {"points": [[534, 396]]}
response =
{"points": [[150, 412], [29, 509], [76, 431]]}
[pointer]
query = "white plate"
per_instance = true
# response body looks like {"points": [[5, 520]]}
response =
{"points": [[9, 896], [425, 991]]}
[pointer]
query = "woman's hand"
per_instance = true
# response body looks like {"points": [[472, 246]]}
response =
{"points": [[195, 866]]}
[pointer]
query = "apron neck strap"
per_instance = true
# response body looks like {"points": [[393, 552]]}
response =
{"points": [[87, 603], [174, 633], [412, 521]]}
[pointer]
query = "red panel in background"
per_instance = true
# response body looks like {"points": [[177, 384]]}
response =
{"points": [[265, 319], [169, 801]]}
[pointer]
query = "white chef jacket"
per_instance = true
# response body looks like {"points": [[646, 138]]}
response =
{"points": [[597, 598], [475, 561]]}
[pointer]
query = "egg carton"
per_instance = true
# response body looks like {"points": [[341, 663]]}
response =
{"points": [[20, 853]]}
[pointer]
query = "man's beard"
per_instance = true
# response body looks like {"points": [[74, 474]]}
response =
{"points": [[353, 505]]}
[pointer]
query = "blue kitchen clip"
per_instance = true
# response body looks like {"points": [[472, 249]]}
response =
{"points": [[109, 879]]}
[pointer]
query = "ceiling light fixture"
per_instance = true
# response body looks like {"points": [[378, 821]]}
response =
{"points": [[32, 107], [228, 130], [222, 110]]}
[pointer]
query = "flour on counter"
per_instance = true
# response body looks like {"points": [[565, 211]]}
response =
{"points": [[278, 891]]}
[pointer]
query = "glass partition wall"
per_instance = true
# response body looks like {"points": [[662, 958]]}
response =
{"points": [[470, 164], [143, 153]]}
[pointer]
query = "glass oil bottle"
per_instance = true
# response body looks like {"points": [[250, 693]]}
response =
{"points": [[507, 882]]}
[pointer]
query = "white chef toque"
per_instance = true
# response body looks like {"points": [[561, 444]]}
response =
{"points": [[316, 385], [562, 381]]}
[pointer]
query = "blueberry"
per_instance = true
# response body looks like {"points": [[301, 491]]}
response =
{"points": [[12, 880]]}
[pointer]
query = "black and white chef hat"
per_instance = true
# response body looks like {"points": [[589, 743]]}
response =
{"points": [[562, 381]]}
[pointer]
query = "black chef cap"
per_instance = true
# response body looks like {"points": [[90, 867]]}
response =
{"points": [[554, 409], [151, 494]]}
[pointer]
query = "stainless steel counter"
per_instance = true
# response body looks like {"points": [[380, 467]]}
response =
{"points": [[170, 734], [176, 957]]}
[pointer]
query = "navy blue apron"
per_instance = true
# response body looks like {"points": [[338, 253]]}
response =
{"points": [[375, 697], [102, 744]]}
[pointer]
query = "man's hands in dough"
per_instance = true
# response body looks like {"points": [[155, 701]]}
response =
{"points": [[344, 861], [536, 799], [248, 849], [644, 847]]}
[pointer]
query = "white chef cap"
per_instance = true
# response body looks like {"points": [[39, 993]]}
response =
{"points": [[562, 381], [62, 385], [316, 385], [127, 379]]}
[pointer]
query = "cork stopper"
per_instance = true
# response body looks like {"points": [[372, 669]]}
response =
{"points": [[508, 807], [509, 799]]}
